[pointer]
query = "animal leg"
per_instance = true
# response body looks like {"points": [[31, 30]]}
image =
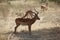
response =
{"points": [[29, 27], [16, 28]]}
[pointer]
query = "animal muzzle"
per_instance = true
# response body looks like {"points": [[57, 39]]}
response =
{"points": [[38, 18]]}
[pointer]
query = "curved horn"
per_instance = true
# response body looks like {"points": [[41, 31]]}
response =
{"points": [[36, 11]]}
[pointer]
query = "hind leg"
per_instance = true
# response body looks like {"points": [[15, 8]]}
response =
{"points": [[15, 28]]}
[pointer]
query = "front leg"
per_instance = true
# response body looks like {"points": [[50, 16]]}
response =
{"points": [[29, 27]]}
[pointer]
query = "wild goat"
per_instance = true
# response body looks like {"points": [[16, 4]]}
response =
{"points": [[44, 6], [26, 21]]}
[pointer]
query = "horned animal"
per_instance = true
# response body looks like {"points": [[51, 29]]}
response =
{"points": [[26, 21]]}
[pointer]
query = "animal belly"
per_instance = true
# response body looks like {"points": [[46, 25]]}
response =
{"points": [[24, 23]]}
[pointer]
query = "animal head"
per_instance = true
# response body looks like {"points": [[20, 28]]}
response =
{"points": [[36, 15]]}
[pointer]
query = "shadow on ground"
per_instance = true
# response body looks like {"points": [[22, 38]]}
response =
{"points": [[44, 34]]}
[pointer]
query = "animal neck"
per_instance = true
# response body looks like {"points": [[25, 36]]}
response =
{"points": [[34, 19]]}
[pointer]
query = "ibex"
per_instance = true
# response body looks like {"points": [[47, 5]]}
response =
{"points": [[44, 6], [26, 21]]}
